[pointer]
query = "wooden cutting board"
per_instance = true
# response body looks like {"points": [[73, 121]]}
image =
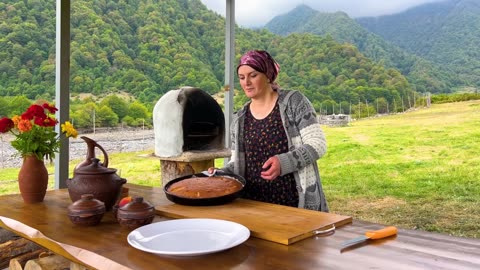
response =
{"points": [[277, 223]]}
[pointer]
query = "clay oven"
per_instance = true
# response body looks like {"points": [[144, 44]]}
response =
{"points": [[189, 128]]}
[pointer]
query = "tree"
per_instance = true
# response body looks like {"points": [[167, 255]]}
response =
{"points": [[19, 104], [4, 107], [138, 112], [118, 105], [81, 119], [105, 117], [382, 105], [86, 114]]}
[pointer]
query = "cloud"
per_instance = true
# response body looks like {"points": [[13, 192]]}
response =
{"points": [[251, 13]]}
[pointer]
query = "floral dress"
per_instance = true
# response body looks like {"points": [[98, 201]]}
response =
{"points": [[265, 138]]}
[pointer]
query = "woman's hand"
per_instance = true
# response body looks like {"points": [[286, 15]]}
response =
{"points": [[211, 170], [271, 169]]}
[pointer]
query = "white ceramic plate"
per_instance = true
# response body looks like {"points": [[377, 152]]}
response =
{"points": [[188, 237]]}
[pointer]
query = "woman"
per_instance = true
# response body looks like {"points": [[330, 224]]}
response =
{"points": [[276, 139]]}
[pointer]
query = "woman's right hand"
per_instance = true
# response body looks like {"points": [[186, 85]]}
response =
{"points": [[271, 169], [211, 170]]}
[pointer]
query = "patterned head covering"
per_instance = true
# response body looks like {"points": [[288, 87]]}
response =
{"points": [[262, 62]]}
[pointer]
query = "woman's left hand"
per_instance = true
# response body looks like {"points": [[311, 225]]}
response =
{"points": [[271, 168]]}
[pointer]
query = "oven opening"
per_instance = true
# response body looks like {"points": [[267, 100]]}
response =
{"points": [[200, 136], [203, 123]]}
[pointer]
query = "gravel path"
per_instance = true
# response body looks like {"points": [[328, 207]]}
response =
{"points": [[112, 142]]}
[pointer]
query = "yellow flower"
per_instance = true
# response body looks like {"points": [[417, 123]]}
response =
{"points": [[16, 119], [69, 130]]}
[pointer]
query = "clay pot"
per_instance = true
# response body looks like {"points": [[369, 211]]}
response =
{"points": [[102, 182], [87, 211], [136, 213], [33, 179]]}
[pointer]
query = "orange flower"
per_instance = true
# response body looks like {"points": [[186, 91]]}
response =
{"points": [[24, 125]]}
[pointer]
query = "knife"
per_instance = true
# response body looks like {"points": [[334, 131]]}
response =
{"points": [[374, 235]]}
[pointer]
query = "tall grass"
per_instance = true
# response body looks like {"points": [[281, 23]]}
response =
{"points": [[417, 170]]}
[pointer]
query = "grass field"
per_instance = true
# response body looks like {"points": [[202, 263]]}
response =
{"points": [[417, 170]]}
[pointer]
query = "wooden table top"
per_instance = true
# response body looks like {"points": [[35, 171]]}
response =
{"points": [[408, 250]]}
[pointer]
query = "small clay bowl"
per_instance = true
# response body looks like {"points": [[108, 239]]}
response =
{"points": [[135, 214], [87, 211]]}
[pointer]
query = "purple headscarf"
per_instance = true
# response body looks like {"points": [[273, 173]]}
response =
{"points": [[262, 62]]}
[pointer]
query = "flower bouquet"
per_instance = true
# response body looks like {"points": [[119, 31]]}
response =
{"points": [[35, 140], [34, 131]]}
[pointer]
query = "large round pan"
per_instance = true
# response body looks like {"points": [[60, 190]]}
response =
{"points": [[204, 201]]}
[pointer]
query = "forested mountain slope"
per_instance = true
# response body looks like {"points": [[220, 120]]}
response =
{"points": [[422, 74], [446, 33], [146, 48]]}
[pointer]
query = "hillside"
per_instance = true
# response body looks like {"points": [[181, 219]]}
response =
{"points": [[422, 74], [146, 48], [445, 33]]}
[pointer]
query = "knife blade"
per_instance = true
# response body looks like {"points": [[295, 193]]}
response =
{"points": [[374, 235]]}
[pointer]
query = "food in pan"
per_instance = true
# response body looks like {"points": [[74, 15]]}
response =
{"points": [[205, 187]]}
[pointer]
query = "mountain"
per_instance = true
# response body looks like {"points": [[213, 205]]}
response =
{"points": [[145, 48], [446, 33], [141, 47], [423, 75]]}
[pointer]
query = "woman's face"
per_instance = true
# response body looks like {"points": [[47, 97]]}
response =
{"points": [[255, 84]]}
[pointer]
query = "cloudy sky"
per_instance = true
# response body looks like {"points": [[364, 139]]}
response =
{"points": [[252, 13]]}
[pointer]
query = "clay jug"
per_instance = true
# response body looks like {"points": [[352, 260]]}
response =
{"points": [[91, 145], [33, 179], [96, 179]]}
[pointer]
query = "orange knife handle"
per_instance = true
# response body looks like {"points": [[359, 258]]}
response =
{"points": [[382, 233]]}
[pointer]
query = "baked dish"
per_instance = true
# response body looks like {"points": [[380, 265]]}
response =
{"points": [[205, 187]]}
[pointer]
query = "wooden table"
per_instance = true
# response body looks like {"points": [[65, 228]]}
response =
{"points": [[409, 250]]}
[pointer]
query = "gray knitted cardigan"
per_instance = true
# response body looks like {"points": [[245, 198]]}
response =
{"points": [[306, 142]]}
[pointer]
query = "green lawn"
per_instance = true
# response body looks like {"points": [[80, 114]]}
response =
{"points": [[417, 170]]}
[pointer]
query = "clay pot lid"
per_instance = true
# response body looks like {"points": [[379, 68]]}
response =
{"points": [[86, 205], [95, 168], [138, 208]]}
